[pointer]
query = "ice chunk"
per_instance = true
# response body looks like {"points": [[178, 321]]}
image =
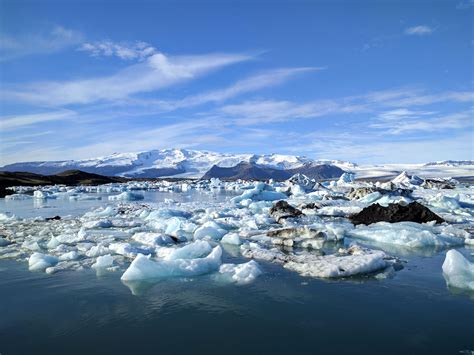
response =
{"points": [[197, 249], [241, 273], [72, 255], [152, 239], [231, 238], [39, 261], [106, 212], [127, 196], [102, 223], [127, 250], [31, 245], [352, 261], [42, 195], [18, 197], [143, 268], [346, 178], [330, 266], [97, 250], [261, 191], [407, 234], [103, 262], [458, 271], [209, 229], [407, 180], [53, 243]]}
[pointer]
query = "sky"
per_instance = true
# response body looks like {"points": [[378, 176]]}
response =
{"points": [[364, 81]]}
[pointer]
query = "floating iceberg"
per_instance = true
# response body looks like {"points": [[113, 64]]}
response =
{"points": [[39, 261], [231, 238], [209, 229], [407, 234], [241, 274], [458, 271], [348, 262], [127, 196], [103, 262], [260, 192], [143, 268]]}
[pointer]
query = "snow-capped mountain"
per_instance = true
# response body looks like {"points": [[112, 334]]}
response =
{"points": [[167, 162], [196, 163]]}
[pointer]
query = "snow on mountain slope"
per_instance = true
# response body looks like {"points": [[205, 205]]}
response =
{"points": [[428, 170], [195, 163]]}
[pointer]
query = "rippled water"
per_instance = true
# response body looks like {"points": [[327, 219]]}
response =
{"points": [[79, 312], [63, 207]]}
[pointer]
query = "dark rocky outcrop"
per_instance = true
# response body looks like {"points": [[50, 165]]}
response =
{"points": [[70, 177], [282, 210], [413, 212], [246, 171], [251, 171]]}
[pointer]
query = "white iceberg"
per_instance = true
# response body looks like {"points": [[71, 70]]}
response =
{"points": [[209, 229], [458, 271], [39, 261], [143, 268], [260, 192], [127, 196], [408, 234], [241, 274], [103, 262]]}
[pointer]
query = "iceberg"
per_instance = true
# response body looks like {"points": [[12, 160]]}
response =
{"points": [[458, 271], [103, 262], [143, 268], [127, 196], [209, 229], [260, 192], [407, 234], [39, 261], [348, 262], [241, 274], [231, 238], [196, 249]]}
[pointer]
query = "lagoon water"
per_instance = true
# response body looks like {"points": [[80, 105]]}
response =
{"points": [[80, 312]]}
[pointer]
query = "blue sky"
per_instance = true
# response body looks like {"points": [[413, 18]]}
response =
{"points": [[365, 81]]}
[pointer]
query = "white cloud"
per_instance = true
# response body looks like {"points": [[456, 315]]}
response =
{"points": [[15, 122], [252, 83], [265, 111], [51, 41], [123, 50], [402, 113], [156, 72], [388, 105], [437, 124], [420, 30]]}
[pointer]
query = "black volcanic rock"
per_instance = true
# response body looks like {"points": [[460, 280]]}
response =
{"points": [[413, 212], [251, 171]]}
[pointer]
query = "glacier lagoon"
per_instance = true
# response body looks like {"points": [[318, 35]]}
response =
{"points": [[81, 309]]}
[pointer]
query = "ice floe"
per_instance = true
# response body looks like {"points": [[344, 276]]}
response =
{"points": [[300, 224], [458, 271]]}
